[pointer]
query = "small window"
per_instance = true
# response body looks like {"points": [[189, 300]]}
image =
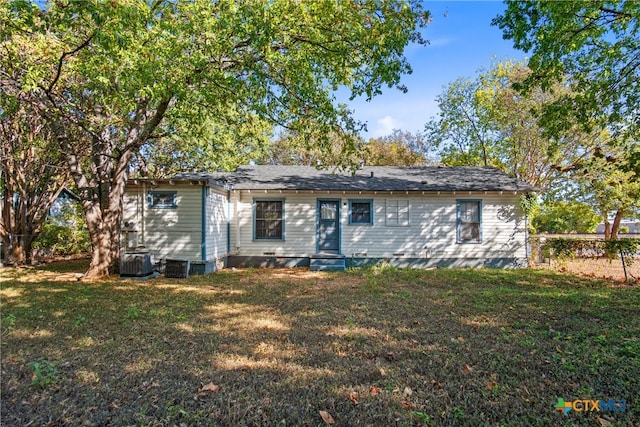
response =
{"points": [[162, 199], [397, 213], [360, 211], [268, 220], [469, 221]]}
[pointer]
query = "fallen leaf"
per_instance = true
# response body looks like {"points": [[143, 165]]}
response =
{"points": [[406, 405], [436, 383], [460, 339], [383, 372], [353, 397], [211, 387], [491, 385], [374, 390], [326, 417], [604, 422], [390, 356], [283, 337], [467, 368], [407, 391]]}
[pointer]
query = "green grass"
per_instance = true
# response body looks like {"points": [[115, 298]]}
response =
{"points": [[381, 346]]}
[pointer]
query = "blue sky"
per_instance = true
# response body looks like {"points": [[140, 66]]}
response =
{"points": [[462, 41]]}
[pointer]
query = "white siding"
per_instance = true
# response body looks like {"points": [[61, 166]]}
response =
{"points": [[175, 232], [299, 225], [217, 220], [432, 230]]}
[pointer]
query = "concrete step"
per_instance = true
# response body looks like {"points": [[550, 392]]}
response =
{"points": [[327, 262]]}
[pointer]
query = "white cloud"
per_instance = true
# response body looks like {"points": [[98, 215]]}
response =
{"points": [[385, 126]]}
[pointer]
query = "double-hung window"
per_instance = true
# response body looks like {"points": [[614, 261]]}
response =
{"points": [[469, 221], [162, 199], [397, 213], [268, 219], [360, 211]]}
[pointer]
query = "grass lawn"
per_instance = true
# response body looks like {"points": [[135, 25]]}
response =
{"points": [[289, 347]]}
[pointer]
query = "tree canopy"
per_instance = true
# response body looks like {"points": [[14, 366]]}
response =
{"points": [[485, 122], [595, 43], [111, 77]]}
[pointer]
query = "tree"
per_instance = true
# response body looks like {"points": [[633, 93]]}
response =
{"points": [[565, 217], [596, 44], [212, 147], [398, 149], [31, 177], [595, 47], [295, 148], [485, 122], [460, 134], [609, 176], [108, 75]]}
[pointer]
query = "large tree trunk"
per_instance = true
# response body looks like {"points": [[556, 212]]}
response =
{"points": [[104, 232], [104, 219]]}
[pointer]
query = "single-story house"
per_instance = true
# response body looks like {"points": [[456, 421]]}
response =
{"points": [[428, 216]]}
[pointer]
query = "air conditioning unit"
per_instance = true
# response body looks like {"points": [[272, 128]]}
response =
{"points": [[177, 268], [136, 264]]}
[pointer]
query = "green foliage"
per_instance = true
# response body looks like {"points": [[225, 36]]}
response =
{"points": [[565, 217], [528, 204], [45, 373], [10, 321], [65, 234], [80, 320], [116, 77], [595, 43], [485, 122], [569, 248], [133, 313], [397, 149]]}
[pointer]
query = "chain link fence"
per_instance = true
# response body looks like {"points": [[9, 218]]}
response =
{"points": [[588, 255]]}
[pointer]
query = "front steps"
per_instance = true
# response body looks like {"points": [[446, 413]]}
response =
{"points": [[327, 262]]}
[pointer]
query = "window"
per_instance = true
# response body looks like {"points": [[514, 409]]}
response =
{"points": [[268, 219], [469, 221], [397, 213], [162, 199], [360, 211]]}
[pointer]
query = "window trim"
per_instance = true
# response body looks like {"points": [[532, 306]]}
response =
{"points": [[172, 205], [254, 219], [459, 220], [396, 213], [350, 212]]}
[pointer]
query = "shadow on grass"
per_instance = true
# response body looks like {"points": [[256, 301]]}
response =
{"points": [[370, 347]]}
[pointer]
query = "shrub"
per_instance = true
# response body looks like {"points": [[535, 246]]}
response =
{"points": [[64, 234]]}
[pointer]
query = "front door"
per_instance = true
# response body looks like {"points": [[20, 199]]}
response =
{"points": [[329, 226]]}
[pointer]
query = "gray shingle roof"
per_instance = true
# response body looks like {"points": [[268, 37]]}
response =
{"points": [[368, 178]]}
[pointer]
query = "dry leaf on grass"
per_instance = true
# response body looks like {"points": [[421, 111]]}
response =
{"points": [[467, 368], [383, 372], [406, 405], [211, 387], [407, 391], [604, 422], [353, 397], [326, 417], [491, 385], [374, 390]]}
